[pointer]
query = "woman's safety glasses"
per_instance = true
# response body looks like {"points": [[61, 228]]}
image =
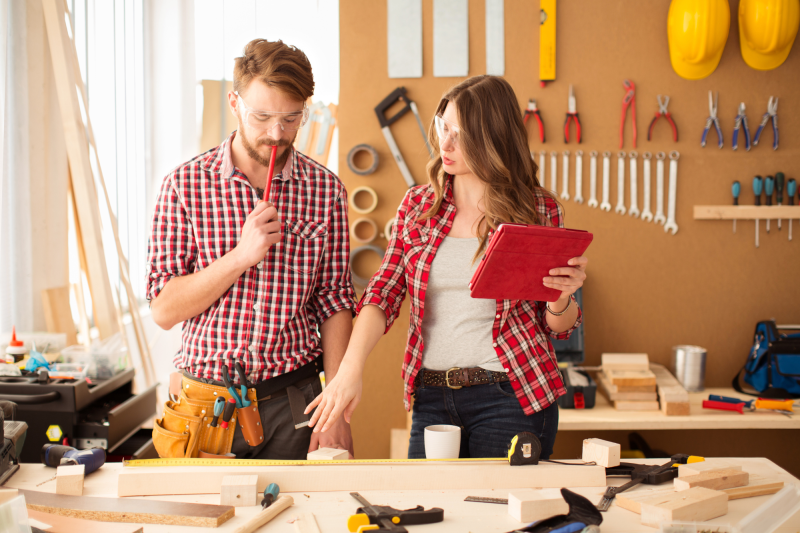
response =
{"points": [[445, 129], [266, 120]]}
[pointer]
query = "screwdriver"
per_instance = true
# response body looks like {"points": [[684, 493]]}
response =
{"points": [[769, 187], [779, 181], [757, 183], [270, 495], [791, 189], [736, 188], [219, 406]]}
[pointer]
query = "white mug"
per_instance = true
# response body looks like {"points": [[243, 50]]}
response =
{"points": [[442, 442]]}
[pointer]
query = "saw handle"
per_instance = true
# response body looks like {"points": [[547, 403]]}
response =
{"points": [[386, 103]]}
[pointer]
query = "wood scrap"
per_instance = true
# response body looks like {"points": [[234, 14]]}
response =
{"points": [[696, 505], [624, 362], [168, 480], [238, 491], [632, 378], [601, 452], [69, 479], [709, 465], [607, 389], [636, 406], [129, 511], [328, 454], [65, 524], [715, 479], [673, 397], [761, 487], [529, 505]]}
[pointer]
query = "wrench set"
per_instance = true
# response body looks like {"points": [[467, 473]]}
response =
{"points": [[631, 161]]}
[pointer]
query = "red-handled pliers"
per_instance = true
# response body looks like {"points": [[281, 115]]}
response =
{"points": [[533, 110], [662, 112], [572, 113], [628, 101]]}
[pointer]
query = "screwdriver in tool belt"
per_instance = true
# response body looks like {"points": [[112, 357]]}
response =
{"points": [[791, 189], [219, 407], [757, 184], [779, 181], [769, 188], [736, 188]]}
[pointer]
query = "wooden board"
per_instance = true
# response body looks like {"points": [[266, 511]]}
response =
{"points": [[696, 505], [130, 511], [693, 469], [636, 406], [151, 481], [606, 388], [672, 396], [69, 479], [65, 524], [632, 378], [636, 362], [57, 313], [616, 388], [529, 505], [306, 523], [602, 452], [714, 479]]}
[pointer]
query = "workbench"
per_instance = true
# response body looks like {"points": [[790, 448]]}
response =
{"points": [[333, 508], [605, 417]]}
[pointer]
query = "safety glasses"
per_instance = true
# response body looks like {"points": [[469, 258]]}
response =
{"points": [[266, 120], [445, 129]]}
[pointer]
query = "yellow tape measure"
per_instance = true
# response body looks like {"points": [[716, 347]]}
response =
{"points": [[276, 462]]}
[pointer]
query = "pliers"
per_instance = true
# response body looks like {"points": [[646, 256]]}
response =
{"points": [[741, 122], [629, 100], [712, 119], [662, 112], [572, 113], [533, 110], [239, 397], [772, 112]]}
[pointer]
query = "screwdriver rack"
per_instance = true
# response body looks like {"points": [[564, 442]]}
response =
{"points": [[746, 212]]}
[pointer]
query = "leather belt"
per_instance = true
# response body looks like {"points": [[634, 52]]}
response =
{"points": [[456, 378]]}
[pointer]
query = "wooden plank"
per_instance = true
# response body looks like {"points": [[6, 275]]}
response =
{"points": [[529, 505], [715, 479], [65, 524], [238, 491], [57, 313], [62, 52], [306, 523], [130, 511], [153, 481], [606, 388], [616, 388], [636, 362], [602, 452], [328, 454], [759, 488], [697, 505], [636, 406], [631, 378], [398, 443], [692, 469], [745, 212], [69, 479], [672, 396]]}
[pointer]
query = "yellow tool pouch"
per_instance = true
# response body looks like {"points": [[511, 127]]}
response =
{"points": [[185, 429]]}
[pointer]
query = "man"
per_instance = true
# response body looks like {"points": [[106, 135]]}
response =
{"points": [[262, 284]]}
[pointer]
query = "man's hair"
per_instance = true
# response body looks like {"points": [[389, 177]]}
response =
{"points": [[279, 65]]}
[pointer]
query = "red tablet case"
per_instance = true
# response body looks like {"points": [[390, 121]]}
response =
{"points": [[520, 255]]}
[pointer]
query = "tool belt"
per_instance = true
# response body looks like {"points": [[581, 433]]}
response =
{"points": [[456, 378], [185, 430]]}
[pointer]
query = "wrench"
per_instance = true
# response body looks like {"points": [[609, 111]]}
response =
{"points": [[620, 210], [565, 172], [647, 216], [673, 186], [542, 179], [592, 179], [660, 218], [579, 177], [605, 205], [634, 209], [553, 173]]}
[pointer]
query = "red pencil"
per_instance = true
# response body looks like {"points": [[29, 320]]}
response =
{"points": [[271, 171]]}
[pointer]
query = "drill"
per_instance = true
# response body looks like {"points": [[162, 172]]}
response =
{"points": [[56, 455]]}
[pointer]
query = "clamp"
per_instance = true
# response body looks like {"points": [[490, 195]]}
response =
{"points": [[533, 110], [370, 517]]}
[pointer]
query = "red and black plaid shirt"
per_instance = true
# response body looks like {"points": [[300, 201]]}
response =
{"points": [[520, 330], [270, 316]]}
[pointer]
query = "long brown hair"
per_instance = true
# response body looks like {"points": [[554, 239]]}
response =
{"points": [[494, 143]]}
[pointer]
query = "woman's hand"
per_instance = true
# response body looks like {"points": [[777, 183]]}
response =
{"points": [[341, 395], [575, 276]]}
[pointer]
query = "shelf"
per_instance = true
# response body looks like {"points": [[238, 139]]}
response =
{"points": [[746, 212]]}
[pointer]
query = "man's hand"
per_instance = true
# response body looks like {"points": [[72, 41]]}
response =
{"points": [[261, 230], [337, 436]]}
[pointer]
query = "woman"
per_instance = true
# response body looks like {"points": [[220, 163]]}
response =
{"points": [[484, 365]]}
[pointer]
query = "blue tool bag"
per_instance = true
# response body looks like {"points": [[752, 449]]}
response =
{"points": [[773, 365]]}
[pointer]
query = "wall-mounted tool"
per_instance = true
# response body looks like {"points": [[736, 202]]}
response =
{"points": [[736, 189], [532, 110], [620, 209], [662, 112], [712, 119], [634, 207], [660, 218], [542, 158], [565, 176], [791, 189], [671, 224], [388, 518], [741, 123], [628, 101], [780, 180], [553, 173], [606, 205], [592, 179], [572, 113], [772, 113], [399, 94], [769, 188], [758, 184], [647, 215], [579, 177], [547, 41]]}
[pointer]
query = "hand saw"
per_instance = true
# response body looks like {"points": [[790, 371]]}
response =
{"points": [[380, 110]]}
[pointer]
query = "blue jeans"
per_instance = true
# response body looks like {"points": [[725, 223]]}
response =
{"points": [[489, 416]]}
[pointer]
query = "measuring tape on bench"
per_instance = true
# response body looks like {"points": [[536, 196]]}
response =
{"points": [[275, 462]]}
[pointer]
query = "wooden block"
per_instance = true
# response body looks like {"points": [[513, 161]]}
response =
{"points": [[636, 406], [352, 476], [328, 454], [65, 524], [632, 378], [632, 500], [710, 465], [69, 480], [607, 389], [239, 491], [306, 523], [673, 397], [398, 443], [602, 452], [529, 505], [715, 479], [625, 362], [696, 505], [129, 511]]}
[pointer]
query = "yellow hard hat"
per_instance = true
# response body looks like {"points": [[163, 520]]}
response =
{"points": [[697, 31], [767, 29]]}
